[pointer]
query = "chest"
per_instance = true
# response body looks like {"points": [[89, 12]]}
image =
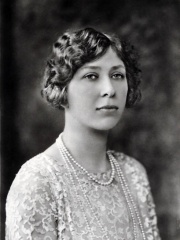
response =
{"points": [[93, 211]]}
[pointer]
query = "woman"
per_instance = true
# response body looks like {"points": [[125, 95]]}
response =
{"points": [[77, 189]]}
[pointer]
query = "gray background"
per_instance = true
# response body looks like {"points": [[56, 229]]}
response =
{"points": [[149, 132]]}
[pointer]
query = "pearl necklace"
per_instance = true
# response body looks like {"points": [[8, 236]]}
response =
{"points": [[85, 171], [114, 164], [70, 167], [75, 188], [129, 200]]}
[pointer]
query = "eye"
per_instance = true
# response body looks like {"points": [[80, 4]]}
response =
{"points": [[118, 76], [91, 76]]}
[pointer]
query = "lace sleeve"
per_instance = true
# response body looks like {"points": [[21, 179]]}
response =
{"points": [[30, 207], [145, 195], [152, 216]]}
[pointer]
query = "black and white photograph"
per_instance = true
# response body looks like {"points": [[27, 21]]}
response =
{"points": [[90, 120]]}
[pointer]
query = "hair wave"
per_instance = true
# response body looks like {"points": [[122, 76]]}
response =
{"points": [[73, 49]]}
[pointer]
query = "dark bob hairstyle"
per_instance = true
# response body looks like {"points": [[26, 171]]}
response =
{"points": [[73, 49]]}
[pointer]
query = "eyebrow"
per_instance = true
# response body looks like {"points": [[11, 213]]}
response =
{"points": [[91, 67], [118, 66], [96, 67]]}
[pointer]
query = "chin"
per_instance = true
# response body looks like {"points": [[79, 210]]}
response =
{"points": [[106, 125]]}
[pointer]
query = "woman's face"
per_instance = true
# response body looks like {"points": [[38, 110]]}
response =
{"points": [[97, 93]]}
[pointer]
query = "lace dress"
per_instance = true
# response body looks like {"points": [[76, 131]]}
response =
{"points": [[42, 203]]}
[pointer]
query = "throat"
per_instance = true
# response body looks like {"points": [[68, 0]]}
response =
{"points": [[95, 165], [89, 151]]}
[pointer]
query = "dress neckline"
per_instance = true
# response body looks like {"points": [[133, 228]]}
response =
{"points": [[80, 171]]}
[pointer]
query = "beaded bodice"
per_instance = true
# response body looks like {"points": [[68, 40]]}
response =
{"points": [[42, 203]]}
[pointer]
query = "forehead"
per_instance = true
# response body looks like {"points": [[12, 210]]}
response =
{"points": [[109, 59]]}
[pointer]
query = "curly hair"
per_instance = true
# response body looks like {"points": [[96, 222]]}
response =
{"points": [[73, 49]]}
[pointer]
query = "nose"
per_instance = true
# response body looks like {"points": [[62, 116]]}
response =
{"points": [[107, 88]]}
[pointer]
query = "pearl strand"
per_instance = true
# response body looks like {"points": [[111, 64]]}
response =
{"points": [[128, 197], [76, 192], [85, 171], [63, 151]]}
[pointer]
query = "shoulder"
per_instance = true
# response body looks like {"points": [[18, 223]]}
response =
{"points": [[131, 165], [37, 175], [136, 175], [31, 202], [128, 160], [32, 175], [39, 166]]}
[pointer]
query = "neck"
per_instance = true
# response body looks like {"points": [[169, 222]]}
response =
{"points": [[88, 147]]}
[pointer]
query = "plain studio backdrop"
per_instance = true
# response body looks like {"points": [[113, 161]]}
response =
{"points": [[149, 132]]}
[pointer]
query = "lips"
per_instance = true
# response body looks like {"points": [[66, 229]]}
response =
{"points": [[108, 107]]}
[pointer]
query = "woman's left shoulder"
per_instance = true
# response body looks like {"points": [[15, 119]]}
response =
{"points": [[136, 175], [130, 164]]}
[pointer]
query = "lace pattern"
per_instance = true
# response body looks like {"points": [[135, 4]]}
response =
{"points": [[42, 204]]}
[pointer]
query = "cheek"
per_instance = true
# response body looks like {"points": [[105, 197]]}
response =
{"points": [[82, 95], [122, 91], [126, 90], [77, 99]]}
